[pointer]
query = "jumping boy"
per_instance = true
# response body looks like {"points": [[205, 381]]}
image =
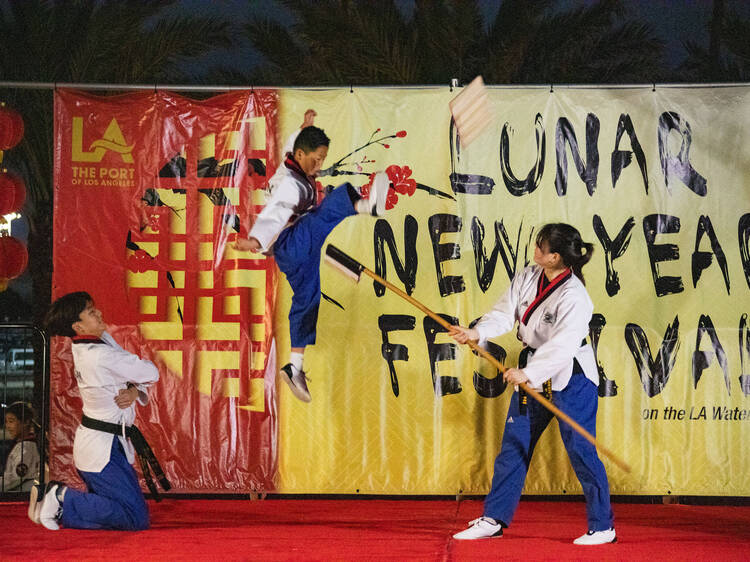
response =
{"points": [[110, 381], [293, 228]]}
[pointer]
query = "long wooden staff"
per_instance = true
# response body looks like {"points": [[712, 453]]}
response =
{"points": [[353, 269]]}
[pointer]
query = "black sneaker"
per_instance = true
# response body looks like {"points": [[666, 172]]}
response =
{"points": [[297, 382]]}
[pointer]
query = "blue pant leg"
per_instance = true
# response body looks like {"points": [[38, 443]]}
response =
{"points": [[306, 236], [114, 499], [520, 436], [580, 401], [297, 253], [334, 208], [303, 274]]}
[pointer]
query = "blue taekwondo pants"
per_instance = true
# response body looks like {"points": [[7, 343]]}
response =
{"points": [[579, 400], [297, 253], [114, 500]]}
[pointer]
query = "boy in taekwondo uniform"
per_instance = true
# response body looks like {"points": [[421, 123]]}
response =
{"points": [[110, 381], [553, 309], [293, 227]]}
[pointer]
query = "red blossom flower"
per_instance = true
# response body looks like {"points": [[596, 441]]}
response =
{"points": [[154, 222], [139, 262], [392, 196], [391, 199], [401, 134], [402, 183], [386, 146]]}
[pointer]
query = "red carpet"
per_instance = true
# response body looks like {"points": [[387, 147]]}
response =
{"points": [[366, 529]]}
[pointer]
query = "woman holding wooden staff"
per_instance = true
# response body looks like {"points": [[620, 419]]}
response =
{"points": [[553, 311]]}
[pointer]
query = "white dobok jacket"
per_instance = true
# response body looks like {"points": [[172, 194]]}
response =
{"points": [[102, 370], [21, 467], [555, 329], [287, 196]]}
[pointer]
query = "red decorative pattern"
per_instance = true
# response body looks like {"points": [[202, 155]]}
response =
{"points": [[145, 221], [400, 183]]}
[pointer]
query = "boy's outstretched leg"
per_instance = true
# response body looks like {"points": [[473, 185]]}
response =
{"points": [[297, 253]]}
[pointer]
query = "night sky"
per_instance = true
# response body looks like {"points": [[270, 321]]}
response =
{"points": [[675, 21]]}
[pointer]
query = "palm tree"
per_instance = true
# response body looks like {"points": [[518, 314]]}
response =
{"points": [[531, 43], [727, 56], [335, 42], [105, 41]]}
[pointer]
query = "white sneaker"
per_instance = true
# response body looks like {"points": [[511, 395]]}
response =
{"points": [[297, 382], [597, 537], [481, 528], [51, 509], [35, 505], [379, 193]]}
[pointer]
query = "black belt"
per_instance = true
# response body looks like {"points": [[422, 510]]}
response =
{"points": [[146, 456], [523, 397]]}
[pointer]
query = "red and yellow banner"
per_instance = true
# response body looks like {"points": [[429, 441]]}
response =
{"points": [[150, 190], [151, 187]]}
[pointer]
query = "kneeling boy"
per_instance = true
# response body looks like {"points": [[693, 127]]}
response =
{"points": [[110, 381]]}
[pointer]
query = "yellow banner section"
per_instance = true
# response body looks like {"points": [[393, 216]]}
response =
{"points": [[656, 179]]}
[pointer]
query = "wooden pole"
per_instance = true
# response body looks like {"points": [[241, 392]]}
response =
{"points": [[537, 396]]}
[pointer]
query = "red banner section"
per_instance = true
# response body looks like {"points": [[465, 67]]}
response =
{"points": [[150, 191]]}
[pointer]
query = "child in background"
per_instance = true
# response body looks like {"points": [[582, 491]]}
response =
{"points": [[22, 465]]}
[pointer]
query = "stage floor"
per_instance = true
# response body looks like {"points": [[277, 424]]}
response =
{"points": [[395, 529]]}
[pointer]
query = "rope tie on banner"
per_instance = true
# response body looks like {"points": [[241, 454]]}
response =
{"points": [[653, 87], [551, 89], [351, 88]]}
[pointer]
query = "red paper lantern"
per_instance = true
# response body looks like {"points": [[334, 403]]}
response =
{"points": [[13, 257], [11, 128], [12, 193]]}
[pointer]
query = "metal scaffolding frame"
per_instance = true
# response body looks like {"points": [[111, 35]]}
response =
{"points": [[453, 83]]}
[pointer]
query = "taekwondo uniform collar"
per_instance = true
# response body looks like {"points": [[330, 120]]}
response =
{"points": [[87, 339], [544, 290], [292, 165]]}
